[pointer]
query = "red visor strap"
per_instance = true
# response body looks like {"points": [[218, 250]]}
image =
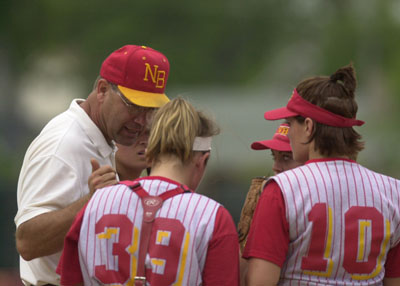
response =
{"points": [[305, 108]]}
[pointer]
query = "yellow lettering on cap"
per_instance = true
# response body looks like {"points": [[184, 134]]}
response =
{"points": [[160, 79], [152, 75], [283, 130], [157, 77]]}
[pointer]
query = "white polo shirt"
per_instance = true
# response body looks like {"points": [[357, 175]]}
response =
{"points": [[55, 174]]}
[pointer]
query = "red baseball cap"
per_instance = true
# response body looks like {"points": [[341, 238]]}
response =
{"points": [[279, 141], [299, 106], [140, 72]]}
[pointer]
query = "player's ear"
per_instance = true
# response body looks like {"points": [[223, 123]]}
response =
{"points": [[202, 159], [309, 126], [205, 158]]}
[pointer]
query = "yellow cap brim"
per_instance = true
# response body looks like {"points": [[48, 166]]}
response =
{"points": [[142, 98]]}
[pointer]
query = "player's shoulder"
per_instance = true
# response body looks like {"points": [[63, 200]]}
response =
{"points": [[116, 193], [379, 178], [200, 197], [287, 174]]}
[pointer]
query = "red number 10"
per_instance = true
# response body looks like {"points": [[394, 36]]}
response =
{"points": [[357, 221]]}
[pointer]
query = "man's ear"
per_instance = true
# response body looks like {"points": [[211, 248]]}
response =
{"points": [[101, 89], [309, 127]]}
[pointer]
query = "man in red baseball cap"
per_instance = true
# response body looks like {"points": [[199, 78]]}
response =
{"points": [[137, 75], [53, 183]]}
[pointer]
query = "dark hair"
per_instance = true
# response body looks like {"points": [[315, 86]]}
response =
{"points": [[336, 94]]}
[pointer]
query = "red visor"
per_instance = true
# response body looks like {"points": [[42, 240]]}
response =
{"points": [[299, 106], [279, 142]]}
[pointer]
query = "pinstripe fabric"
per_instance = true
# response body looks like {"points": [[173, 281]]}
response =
{"points": [[340, 186], [195, 212]]}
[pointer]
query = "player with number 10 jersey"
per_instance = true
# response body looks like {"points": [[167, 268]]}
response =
{"points": [[331, 221]]}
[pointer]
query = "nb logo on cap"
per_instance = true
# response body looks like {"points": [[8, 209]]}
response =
{"points": [[156, 76]]}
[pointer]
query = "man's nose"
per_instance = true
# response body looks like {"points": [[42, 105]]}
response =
{"points": [[140, 118]]}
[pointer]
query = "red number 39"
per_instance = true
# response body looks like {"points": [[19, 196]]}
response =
{"points": [[168, 246], [357, 222]]}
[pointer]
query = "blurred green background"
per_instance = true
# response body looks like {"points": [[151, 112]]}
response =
{"points": [[234, 59]]}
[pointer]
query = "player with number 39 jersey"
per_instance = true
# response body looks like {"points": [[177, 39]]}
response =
{"points": [[331, 221], [193, 239]]}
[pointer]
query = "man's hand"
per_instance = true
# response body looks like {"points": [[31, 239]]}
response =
{"points": [[101, 176]]}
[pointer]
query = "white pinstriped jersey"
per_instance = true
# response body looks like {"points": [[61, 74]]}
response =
{"points": [[343, 219], [178, 244]]}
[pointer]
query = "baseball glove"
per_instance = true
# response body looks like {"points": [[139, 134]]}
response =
{"points": [[256, 187]]}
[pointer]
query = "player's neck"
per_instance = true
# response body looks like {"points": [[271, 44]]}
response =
{"points": [[172, 168], [315, 154], [128, 174]]}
